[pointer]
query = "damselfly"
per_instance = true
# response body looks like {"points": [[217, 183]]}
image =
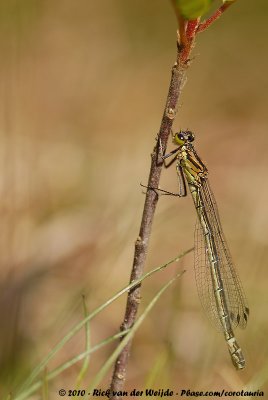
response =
{"points": [[218, 284]]}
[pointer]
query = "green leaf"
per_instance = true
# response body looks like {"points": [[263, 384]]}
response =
{"points": [[192, 9]]}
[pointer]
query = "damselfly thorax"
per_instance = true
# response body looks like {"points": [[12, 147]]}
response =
{"points": [[193, 167]]}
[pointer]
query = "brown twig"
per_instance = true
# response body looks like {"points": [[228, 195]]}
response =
{"points": [[141, 246], [185, 43]]}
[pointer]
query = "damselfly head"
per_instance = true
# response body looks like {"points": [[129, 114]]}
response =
{"points": [[183, 137]]}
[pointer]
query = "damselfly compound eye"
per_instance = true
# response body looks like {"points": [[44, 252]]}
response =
{"points": [[190, 136], [179, 138]]}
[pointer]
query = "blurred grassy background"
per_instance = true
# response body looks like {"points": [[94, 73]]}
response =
{"points": [[83, 90]]}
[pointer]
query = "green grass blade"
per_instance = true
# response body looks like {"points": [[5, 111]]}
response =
{"points": [[45, 386], [108, 364], [55, 372], [85, 365], [77, 327], [157, 369]]}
